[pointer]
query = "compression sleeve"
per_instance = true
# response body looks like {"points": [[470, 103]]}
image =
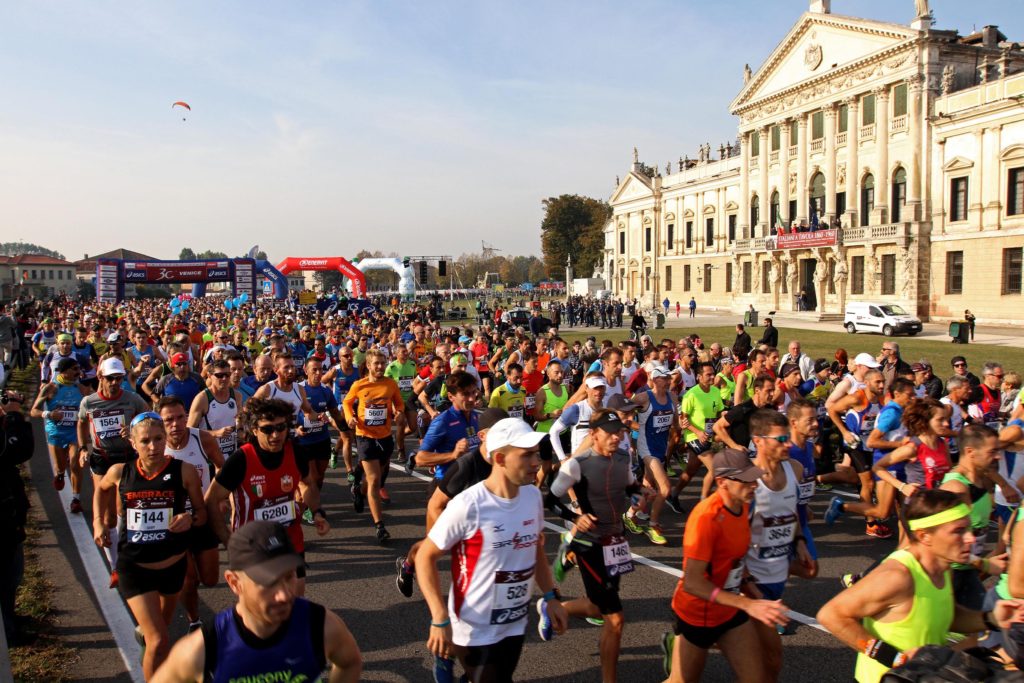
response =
{"points": [[569, 475], [569, 417]]}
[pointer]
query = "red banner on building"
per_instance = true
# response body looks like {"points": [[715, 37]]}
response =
{"points": [[804, 240]]}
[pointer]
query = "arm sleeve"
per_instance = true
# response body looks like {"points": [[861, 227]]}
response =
{"points": [[570, 416], [568, 476], [233, 472]]}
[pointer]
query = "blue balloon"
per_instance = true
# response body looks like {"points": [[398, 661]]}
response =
{"points": [[229, 304], [185, 304], [244, 297]]}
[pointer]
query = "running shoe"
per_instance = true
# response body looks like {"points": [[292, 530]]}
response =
{"points": [[562, 561], [544, 627], [631, 525], [594, 621], [384, 497], [195, 625], [444, 670], [642, 516], [655, 534], [113, 579], [382, 534], [823, 487], [307, 517], [404, 579], [668, 641], [350, 476], [674, 504], [780, 629], [76, 506], [835, 510], [357, 498], [849, 579], [333, 462], [139, 638], [410, 464], [58, 481], [878, 530]]}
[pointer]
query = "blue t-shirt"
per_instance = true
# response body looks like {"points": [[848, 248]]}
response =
{"points": [[445, 431], [322, 400]]}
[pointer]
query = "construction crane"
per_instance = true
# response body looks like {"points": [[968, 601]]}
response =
{"points": [[488, 249]]}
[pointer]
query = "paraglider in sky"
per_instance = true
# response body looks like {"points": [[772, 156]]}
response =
{"points": [[183, 105]]}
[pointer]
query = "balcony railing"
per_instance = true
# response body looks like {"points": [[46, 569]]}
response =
{"points": [[792, 151], [817, 145], [773, 157], [840, 139], [753, 163], [867, 132], [874, 233], [898, 123]]}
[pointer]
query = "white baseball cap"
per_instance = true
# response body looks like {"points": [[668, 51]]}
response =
{"points": [[512, 431], [595, 382], [865, 359], [111, 366], [659, 371], [113, 337]]}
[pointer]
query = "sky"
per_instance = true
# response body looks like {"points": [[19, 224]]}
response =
{"points": [[324, 128]]}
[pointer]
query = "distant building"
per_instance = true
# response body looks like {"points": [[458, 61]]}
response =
{"points": [[85, 269], [37, 275]]}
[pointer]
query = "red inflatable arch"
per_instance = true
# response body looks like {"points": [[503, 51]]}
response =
{"points": [[337, 263]]}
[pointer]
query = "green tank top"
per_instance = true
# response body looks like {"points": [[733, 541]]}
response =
{"points": [[729, 389], [927, 623], [551, 404], [981, 512], [749, 386], [1003, 587]]}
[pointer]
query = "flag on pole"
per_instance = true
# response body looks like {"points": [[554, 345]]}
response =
{"points": [[252, 252], [779, 227]]}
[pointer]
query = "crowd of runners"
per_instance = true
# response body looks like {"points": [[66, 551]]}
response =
{"points": [[194, 431]]}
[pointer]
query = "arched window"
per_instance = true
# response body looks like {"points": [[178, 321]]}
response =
{"points": [[899, 194], [818, 194], [755, 214], [773, 213], [867, 198]]}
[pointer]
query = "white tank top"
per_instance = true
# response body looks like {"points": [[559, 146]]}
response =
{"points": [[773, 528], [192, 453], [220, 415], [582, 427], [612, 390], [291, 397]]}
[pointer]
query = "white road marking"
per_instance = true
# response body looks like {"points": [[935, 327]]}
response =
{"points": [[114, 609], [654, 564]]}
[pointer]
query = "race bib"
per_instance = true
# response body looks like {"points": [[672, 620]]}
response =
{"points": [[806, 490], [735, 578], [531, 401], [375, 416], [280, 510], [228, 444], [405, 383], [511, 597], [68, 417], [617, 558], [662, 421], [153, 519], [108, 423], [314, 426], [778, 536], [516, 411]]}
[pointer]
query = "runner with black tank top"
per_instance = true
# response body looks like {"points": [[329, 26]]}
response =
{"points": [[201, 450], [151, 490], [270, 634], [263, 478]]}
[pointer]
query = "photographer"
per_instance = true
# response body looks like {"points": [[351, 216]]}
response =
{"points": [[16, 446]]}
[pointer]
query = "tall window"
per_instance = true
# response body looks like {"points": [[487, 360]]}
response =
{"points": [[670, 236], [622, 241], [776, 133], [844, 118], [899, 100], [1012, 262], [840, 204], [647, 239], [794, 133], [954, 272], [668, 278], [818, 194], [773, 213], [1015, 192], [755, 212], [707, 277], [867, 110], [60, 274], [818, 125], [33, 274], [728, 277], [958, 199], [831, 277], [647, 278], [755, 144], [857, 275], [766, 278], [867, 198], [888, 273], [748, 267], [709, 233], [732, 227], [899, 194], [686, 278], [689, 234]]}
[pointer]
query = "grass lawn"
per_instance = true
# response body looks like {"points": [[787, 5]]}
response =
{"points": [[824, 344]]}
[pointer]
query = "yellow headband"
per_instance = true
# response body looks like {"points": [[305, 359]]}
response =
{"points": [[950, 515]]}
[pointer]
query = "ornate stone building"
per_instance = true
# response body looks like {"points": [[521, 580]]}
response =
{"points": [[903, 144]]}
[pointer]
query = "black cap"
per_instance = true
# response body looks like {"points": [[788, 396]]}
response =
{"points": [[609, 422], [263, 551], [619, 402], [65, 364], [821, 364], [490, 417]]}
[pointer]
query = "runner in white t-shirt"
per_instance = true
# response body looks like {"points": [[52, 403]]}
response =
{"points": [[494, 531]]}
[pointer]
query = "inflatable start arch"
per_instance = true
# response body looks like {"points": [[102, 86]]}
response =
{"points": [[406, 279], [113, 274], [357, 283]]}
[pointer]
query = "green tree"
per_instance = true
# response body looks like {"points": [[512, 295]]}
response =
{"points": [[261, 255], [18, 248], [186, 254], [573, 226]]}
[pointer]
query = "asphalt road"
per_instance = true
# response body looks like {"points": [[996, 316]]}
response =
{"points": [[351, 574]]}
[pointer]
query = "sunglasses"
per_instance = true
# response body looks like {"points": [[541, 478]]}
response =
{"points": [[274, 428], [114, 378], [221, 375], [148, 415], [781, 438], [959, 365], [180, 365]]}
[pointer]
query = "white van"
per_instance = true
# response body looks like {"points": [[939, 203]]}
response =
{"points": [[888, 319]]}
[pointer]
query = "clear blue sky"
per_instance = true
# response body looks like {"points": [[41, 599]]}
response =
{"points": [[322, 128]]}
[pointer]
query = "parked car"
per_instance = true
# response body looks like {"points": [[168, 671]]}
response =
{"points": [[520, 317], [887, 319]]}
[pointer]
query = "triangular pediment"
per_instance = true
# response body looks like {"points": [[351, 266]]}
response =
{"points": [[816, 45], [632, 187]]}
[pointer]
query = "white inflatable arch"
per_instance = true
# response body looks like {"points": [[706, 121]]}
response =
{"points": [[406, 279]]}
